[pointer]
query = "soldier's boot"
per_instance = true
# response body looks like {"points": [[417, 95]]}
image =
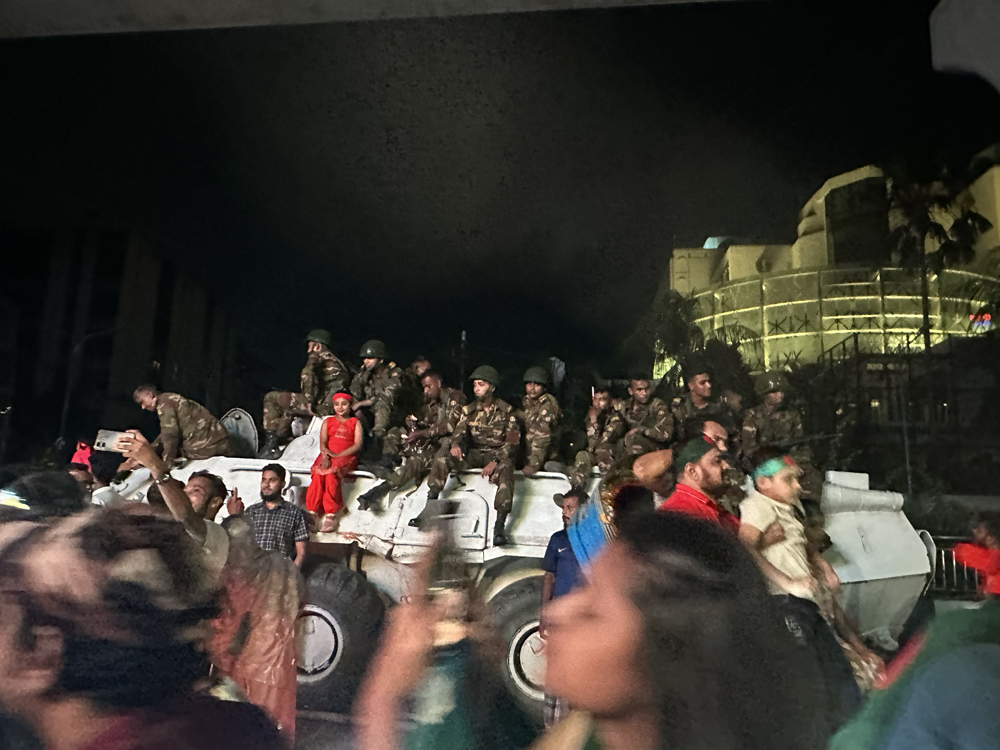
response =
{"points": [[270, 449], [499, 537], [422, 517], [373, 495]]}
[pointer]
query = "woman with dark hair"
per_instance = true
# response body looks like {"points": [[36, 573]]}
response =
{"points": [[673, 643]]}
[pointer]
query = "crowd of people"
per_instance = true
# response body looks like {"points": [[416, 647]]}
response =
{"points": [[407, 426], [705, 618]]}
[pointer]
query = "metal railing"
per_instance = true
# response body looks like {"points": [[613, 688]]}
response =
{"points": [[952, 579]]}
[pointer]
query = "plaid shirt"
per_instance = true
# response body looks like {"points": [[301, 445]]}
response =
{"points": [[278, 528]]}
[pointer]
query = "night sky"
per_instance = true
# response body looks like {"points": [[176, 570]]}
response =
{"points": [[522, 177]]}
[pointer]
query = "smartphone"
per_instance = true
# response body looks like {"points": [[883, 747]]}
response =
{"points": [[108, 440]]}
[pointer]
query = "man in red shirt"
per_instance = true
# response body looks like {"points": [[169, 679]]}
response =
{"points": [[699, 465], [984, 553]]}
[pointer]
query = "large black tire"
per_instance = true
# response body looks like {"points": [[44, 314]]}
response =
{"points": [[517, 610], [338, 631]]}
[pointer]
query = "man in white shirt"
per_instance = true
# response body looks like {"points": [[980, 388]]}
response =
{"points": [[785, 564]]}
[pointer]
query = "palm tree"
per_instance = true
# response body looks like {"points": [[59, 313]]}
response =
{"points": [[934, 230]]}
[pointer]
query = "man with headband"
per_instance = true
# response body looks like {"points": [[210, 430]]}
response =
{"points": [[786, 567], [699, 466]]}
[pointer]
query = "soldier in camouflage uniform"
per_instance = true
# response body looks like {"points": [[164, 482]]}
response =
{"points": [[605, 430], [376, 390], [436, 420], [698, 403], [650, 425], [489, 427], [539, 414], [323, 375], [186, 427], [774, 423]]}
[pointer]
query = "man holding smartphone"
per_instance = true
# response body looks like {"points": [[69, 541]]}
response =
{"points": [[187, 429]]}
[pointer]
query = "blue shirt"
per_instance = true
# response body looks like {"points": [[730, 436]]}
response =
{"points": [[560, 561]]}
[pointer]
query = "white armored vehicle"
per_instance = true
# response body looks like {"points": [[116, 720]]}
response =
{"points": [[354, 573]]}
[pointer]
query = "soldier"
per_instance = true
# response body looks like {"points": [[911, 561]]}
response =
{"points": [[419, 366], [539, 413], [323, 375], [650, 425], [698, 401], [435, 421], [489, 426], [605, 430], [376, 389], [774, 423], [186, 427]]}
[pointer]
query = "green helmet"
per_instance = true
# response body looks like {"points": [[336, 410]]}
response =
{"points": [[487, 373], [320, 336], [536, 374], [770, 381], [373, 348]]}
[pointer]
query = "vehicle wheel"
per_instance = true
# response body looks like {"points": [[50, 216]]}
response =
{"points": [[517, 609], [337, 632]]}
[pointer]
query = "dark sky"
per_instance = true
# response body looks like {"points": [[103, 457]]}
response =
{"points": [[523, 177]]}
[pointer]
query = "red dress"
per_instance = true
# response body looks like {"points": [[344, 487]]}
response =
{"points": [[324, 491]]}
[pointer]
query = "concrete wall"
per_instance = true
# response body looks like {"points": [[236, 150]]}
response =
{"points": [[691, 268]]}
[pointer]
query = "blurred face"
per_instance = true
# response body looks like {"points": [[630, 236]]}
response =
{"points": [[146, 400], [420, 366], [481, 388], [640, 390], [981, 535], [534, 390], [594, 646], [341, 407], [783, 486], [370, 362], [198, 490], [83, 477], [314, 346], [601, 400], [700, 385], [432, 389], [774, 399], [570, 506], [717, 434], [270, 485]]}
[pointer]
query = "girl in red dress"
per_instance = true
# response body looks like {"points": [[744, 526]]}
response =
{"points": [[339, 444]]}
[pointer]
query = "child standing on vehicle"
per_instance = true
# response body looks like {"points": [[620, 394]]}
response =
{"points": [[339, 444]]}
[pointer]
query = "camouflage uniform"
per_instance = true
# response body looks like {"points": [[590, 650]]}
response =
{"points": [[781, 428], [381, 384], [604, 446], [494, 436], [540, 417], [652, 422], [323, 375], [683, 410], [188, 429], [441, 418]]}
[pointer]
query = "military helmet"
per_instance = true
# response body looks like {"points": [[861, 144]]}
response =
{"points": [[770, 381], [487, 373], [321, 336], [536, 374], [373, 348]]}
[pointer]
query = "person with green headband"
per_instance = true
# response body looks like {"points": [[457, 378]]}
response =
{"points": [[786, 568]]}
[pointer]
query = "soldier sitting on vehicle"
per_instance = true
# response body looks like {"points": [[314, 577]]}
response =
{"points": [[605, 430], [774, 422], [486, 437], [187, 429], [377, 390], [435, 421], [539, 414], [650, 425], [698, 401], [323, 375]]}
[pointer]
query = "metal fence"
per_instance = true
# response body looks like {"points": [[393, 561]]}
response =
{"points": [[952, 580]]}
